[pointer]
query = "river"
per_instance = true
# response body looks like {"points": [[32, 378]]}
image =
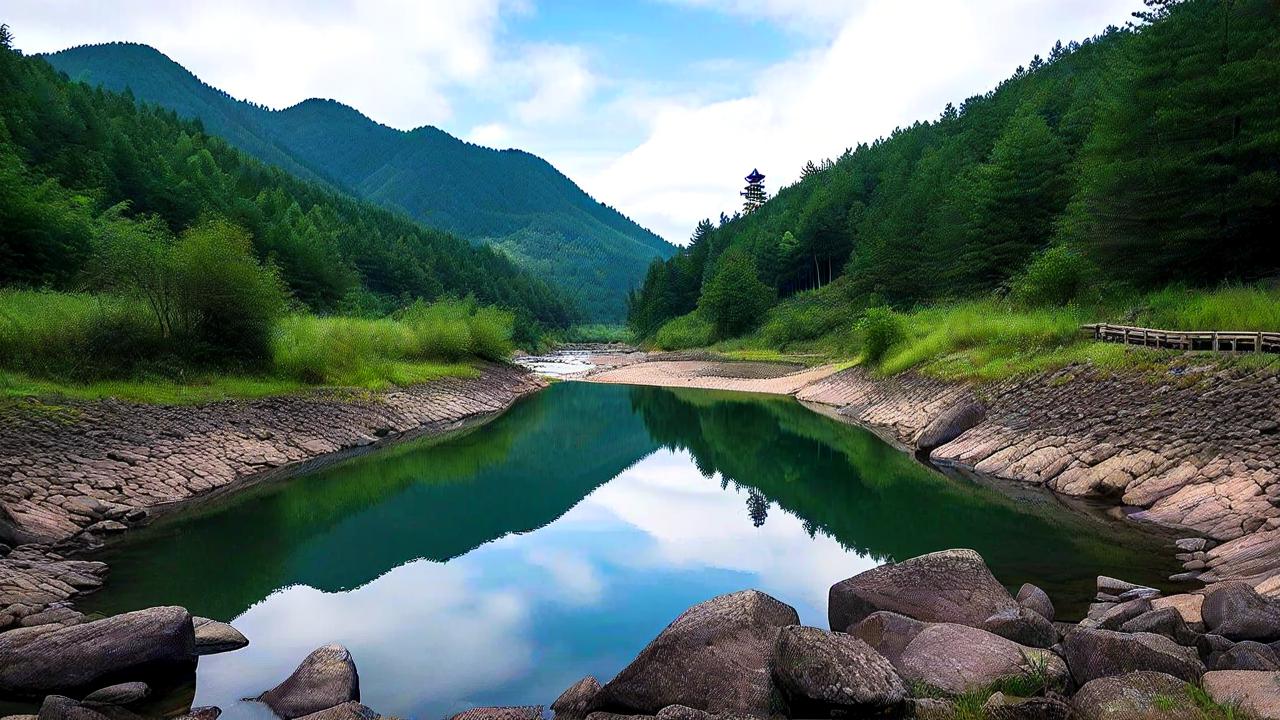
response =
{"points": [[501, 564]]}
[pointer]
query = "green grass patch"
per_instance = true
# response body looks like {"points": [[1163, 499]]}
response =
{"points": [[687, 331]]}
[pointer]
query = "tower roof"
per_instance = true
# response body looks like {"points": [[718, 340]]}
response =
{"points": [[754, 177]]}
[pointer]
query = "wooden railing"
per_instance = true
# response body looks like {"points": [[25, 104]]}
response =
{"points": [[1215, 340]]}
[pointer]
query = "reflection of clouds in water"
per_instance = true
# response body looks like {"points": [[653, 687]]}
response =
{"points": [[463, 639], [696, 524], [576, 579]]}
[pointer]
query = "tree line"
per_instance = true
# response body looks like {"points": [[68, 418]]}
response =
{"points": [[1139, 157]]}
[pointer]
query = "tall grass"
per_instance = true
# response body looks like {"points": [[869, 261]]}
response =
{"points": [[1230, 308], [687, 331], [96, 345]]}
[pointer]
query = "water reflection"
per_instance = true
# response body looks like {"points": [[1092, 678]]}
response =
{"points": [[501, 565]]}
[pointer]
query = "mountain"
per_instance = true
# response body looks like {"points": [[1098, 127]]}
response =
{"points": [[510, 199]]}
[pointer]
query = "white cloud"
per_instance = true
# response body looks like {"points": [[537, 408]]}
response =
{"points": [[891, 63], [560, 81], [813, 17]]}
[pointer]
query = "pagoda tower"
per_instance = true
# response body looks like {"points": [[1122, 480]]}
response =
{"points": [[754, 195]]}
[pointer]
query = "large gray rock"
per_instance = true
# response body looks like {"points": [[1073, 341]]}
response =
{"points": [[1248, 655], [575, 703], [1033, 598], [1093, 654], [1236, 611], [1165, 621], [214, 637], [958, 658], [947, 586], [76, 659], [1122, 613], [524, 712], [1141, 695], [1023, 626], [58, 707], [327, 677], [888, 633], [822, 672], [1254, 691], [951, 424], [715, 657]]}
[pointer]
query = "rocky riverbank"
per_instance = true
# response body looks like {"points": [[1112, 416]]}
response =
{"points": [[77, 473], [934, 637]]}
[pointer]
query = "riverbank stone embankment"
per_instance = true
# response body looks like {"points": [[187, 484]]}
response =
{"points": [[77, 473], [1194, 448]]}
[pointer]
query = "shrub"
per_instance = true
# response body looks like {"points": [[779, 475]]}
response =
{"points": [[684, 332], [491, 332], [1054, 277], [734, 298], [881, 329]]}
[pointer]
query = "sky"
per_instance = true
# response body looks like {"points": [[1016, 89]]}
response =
{"points": [[656, 107]]}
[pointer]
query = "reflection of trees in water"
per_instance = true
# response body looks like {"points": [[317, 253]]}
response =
{"points": [[846, 483], [757, 507]]}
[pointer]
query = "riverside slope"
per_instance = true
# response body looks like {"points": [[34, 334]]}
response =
{"points": [[78, 472], [1191, 447]]}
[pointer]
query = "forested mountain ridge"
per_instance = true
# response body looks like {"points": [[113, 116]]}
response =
{"points": [[79, 163], [509, 198], [1144, 156]]}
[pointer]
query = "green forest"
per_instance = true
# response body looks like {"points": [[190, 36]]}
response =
{"points": [[135, 243], [509, 199], [1143, 160]]}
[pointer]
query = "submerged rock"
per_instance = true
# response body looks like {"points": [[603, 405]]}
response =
{"points": [[1142, 695], [214, 637], [74, 659], [946, 586], [1093, 654], [326, 678], [715, 657], [822, 672]]}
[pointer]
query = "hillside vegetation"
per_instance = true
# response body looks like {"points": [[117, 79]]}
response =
{"points": [[137, 249], [510, 199], [1077, 190]]}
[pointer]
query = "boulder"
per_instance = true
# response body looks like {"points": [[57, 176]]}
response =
{"points": [[1033, 598], [888, 633], [1112, 586], [951, 424], [1113, 618], [525, 712], [1141, 695], [122, 694], [80, 658], [216, 637], [575, 702], [822, 673], [1236, 611], [346, 711], [715, 657], [680, 712], [1211, 647], [1166, 621], [948, 586], [326, 678], [1188, 606], [1093, 654], [1248, 655], [1256, 691], [58, 707], [958, 658], [1023, 626]]}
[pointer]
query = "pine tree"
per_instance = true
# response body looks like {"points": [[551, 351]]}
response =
{"points": [[757, 507]]}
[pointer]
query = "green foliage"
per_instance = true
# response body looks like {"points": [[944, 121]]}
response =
{"points": [[734, 298], [1054, 277], [76, 336], [687, 331], [1234, 307], [597, 334], [881, 329], [1146, 152], [76, 160], [511, 200]]}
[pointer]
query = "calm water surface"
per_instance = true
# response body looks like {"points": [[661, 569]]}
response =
{"points": [[501, 565]]}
